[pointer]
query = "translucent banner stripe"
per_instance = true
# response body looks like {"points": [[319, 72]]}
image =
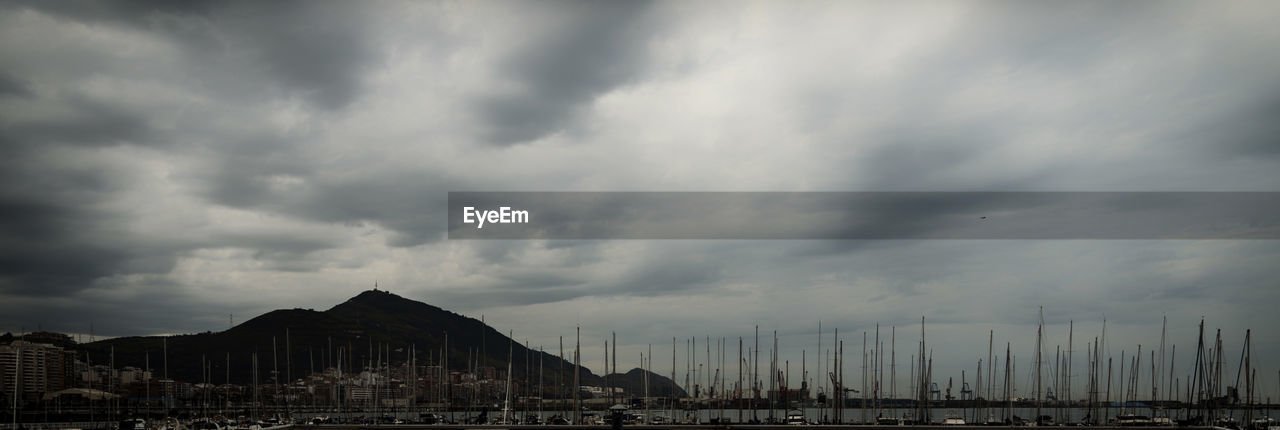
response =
{"points": [[864, 215]]}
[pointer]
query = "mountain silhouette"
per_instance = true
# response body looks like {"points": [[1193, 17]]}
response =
{"points": [[364, 329]]}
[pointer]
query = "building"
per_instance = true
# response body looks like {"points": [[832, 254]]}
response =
{"points": [[35, 368], [130, 375], [789, 395]]}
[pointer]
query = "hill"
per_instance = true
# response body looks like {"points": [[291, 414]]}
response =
{"points": [[366, 327], [633, 382]]}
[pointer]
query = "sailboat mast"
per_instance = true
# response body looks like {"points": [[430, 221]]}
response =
{"points": [[577, 407], [1008, 383], [1039, 336], [506, 408]]}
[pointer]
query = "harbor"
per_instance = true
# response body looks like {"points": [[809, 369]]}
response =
{"points": [[489, 379]]}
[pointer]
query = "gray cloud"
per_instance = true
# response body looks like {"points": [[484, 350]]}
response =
{"points": [[11, 87], [408, 203], [56, 241], [160, 161], [91, 122], [1247, 131], [318, 51], [591, 48], [314, 51], [670, 276]]}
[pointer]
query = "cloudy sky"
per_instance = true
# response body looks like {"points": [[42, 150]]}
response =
{"points": [[165, 165]]}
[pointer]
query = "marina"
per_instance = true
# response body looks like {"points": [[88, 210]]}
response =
{"points": [[389, 385]]}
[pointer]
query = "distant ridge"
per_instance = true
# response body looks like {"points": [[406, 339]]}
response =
{"points": [[359, 325]]}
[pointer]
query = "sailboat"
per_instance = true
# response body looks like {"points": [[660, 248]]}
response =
{"points": [[952, 419], [795, 417]]}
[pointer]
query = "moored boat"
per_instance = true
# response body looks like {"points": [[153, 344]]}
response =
{"points": [[795, 417]]}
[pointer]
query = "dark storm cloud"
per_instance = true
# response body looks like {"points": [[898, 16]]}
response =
{"points": [[11, 87], [161, 307], [920, 154], [62, 235], [1249, 130], [316, 51], [62, 238], [57, 241], [407, 202], [90, 123], [319, 50], [42, 258], [59, 282], [237, 120], [596, 46], [239, 172]]}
